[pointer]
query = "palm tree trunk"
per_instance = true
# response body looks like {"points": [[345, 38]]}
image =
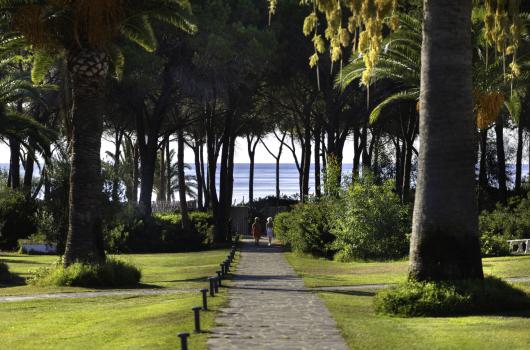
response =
{"points": [[501, 162], [316, 133], [84, 242], [519, 158], [14, 163], [445, 242], [28, 168], [186, 223], [135, 173]]}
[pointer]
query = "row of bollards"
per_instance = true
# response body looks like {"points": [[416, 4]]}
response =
{"points": [[214, 284]]}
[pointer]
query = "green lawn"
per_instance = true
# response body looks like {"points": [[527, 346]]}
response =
{"points": [[322, 272], [176, 270], [120, 322], [363, 329], [146, 322]]}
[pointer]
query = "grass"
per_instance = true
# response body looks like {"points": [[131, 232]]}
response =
{"points": [[118, 322], [146, 322], [364, 329], [175, 270], [321, 272]]}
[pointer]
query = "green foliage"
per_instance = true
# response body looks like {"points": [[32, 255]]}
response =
{"points": [[332, 176], [16, 217], [111, 273], [370, 223], [467, 297], [504, 223], [161, 233], [306, 229]]}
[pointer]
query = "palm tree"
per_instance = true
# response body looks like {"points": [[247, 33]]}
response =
{"points": [[445, 242], [85, 33]]}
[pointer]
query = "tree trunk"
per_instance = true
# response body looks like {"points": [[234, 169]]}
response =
{"points": [[198, 175], [116, 179], [186, 223], [483, 173], [399, 168], [445, 242], [135, 173], [220, 224], [169, 191], [519, 159], [14, 163], [84, 242], [251, 149], [306, 173], [407, 170], [318, 191], [28, 168], [501, 162], [162, 195], [148, 157]]}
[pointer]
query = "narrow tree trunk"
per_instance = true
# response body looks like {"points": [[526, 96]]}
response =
{"points": [[445, 243], [407, 170], [220, 224], [162, 193], [483, 174], [116, 179], [399, 168], [14, 163], [501, 162], [135, 173], [204, 177], [84, 242], [29, 168], [230, 189], [251, 150], [318, 191], [519, 159], [186, 223], [198, 175], [169, 191]]}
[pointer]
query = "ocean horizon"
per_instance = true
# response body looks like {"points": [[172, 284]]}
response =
{"points": [[265, 179]]}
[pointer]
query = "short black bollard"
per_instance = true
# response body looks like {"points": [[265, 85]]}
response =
{"points": [[212, 285], [216, 284], [227, 266], [184, 340], [204, 299], [196, 314], [222, 269], [219, 278]]}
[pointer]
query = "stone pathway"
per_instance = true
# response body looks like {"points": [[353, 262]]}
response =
{"points": [[269, 308], [96, 294]]}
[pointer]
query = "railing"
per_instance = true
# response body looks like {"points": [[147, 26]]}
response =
{"points": [[167, 207]]}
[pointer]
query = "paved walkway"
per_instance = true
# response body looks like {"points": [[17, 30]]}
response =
{"points": [[106, 293], [269, 308]]}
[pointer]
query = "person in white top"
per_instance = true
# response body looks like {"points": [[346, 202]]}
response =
{"points": [[269, 227]]}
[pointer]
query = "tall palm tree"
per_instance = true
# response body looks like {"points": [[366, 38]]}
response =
{"points": [[86, 33], [445, 242]]}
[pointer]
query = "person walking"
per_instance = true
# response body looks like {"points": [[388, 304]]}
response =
{"points": [[256, 231], [269, 225]]}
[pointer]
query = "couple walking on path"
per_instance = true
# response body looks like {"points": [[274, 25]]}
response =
{"points": [[257, 232]]}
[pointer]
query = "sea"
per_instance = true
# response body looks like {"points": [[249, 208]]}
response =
{"points": [[265, 179]]}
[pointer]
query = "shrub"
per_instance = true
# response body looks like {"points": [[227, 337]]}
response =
{"points": [[305, 229], [467, 297], [370, 223], [111, 273], [160, 233], [16, 217], [504, 223]]}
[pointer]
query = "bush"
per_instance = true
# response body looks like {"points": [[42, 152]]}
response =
{"points": [[160, 233], [16, 217], [504, 223], [467, 297], [111, 273], [370, 223], [305, 229]]}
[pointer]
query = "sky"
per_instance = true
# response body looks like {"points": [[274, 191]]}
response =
{"points": [[240, 156]]}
